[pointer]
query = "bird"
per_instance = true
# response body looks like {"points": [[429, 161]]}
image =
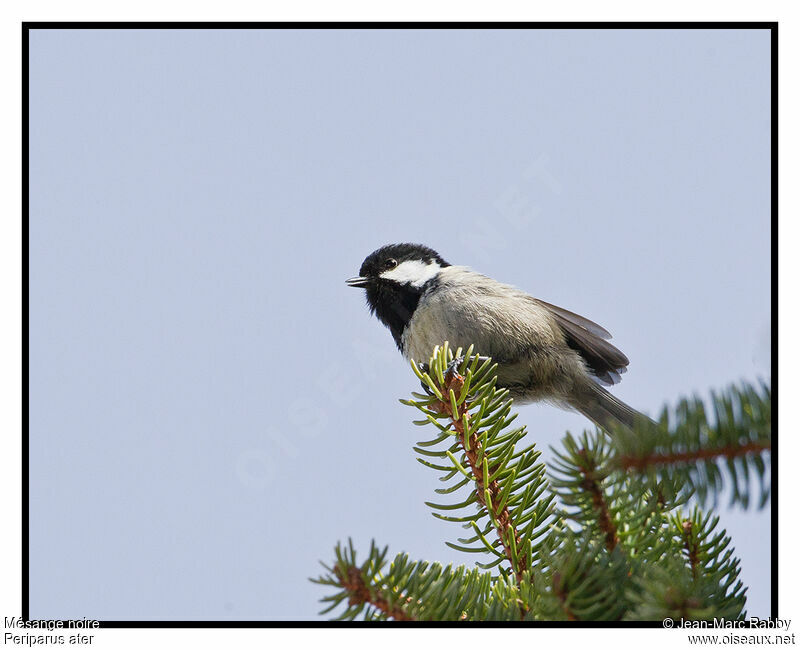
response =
{"points": [[543, 352]]}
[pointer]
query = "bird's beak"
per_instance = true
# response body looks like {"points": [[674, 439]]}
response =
{"points": [[357, 282]]}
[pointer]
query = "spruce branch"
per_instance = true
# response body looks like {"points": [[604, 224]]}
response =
{"points": [[579, 477], [360, 588], [699, 580], [360, 594], [617, 547], [562, 595], [487, 492], [507, 485], [579, 579], [685, 457], [409, 591], [708, 555], [618, 509], [592, 486], [690, 545], [691, 451]]}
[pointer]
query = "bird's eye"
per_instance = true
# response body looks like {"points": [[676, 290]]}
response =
{"points": [[391, 263]]}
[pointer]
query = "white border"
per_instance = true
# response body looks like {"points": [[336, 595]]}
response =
{"points": [[13, 12]]}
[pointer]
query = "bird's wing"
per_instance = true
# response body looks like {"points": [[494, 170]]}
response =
{"points": [[474, 309], [574, 318], [587, 338]]}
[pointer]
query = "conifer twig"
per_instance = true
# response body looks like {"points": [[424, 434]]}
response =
{"points": [[561, 594], [640, 463], [353, 582], [691, 546], [592, 486], [627, 489], [471, 445]]}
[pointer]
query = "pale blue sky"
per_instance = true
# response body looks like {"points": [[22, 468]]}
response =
{"points": [[211, 408]]}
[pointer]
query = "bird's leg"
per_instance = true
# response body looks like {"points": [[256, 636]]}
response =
{"points": [[450, 373], [452, 367], [424, 368]]}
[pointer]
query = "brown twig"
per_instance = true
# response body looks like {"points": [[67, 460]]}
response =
{"points": [[592, 486], [691, 545], [678, 603], [643, 462], [504, 525], [561, 594], [354, 583]]}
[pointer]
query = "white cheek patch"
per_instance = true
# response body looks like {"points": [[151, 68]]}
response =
{"points": [[413, 272]]}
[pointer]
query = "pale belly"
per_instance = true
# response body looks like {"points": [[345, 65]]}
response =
{"points": [[542, 372]]}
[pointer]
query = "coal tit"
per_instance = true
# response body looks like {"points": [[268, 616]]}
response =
{"points": [[543, 352]]}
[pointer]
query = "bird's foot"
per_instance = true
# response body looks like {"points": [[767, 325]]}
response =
{"points": [[451, 372], [425, 368], [452, 367]]}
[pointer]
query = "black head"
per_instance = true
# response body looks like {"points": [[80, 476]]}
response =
{"points": [[395, 277]]}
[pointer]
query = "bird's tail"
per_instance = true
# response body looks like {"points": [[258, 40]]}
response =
{"points": [[605, 410]]}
